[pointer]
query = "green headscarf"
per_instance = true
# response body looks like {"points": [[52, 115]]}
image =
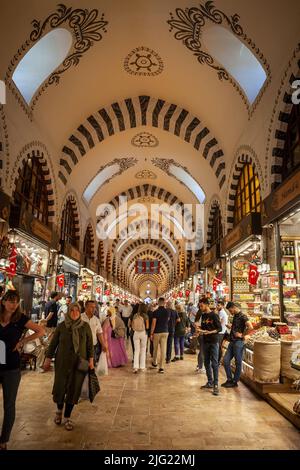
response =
{"points": [[74, 326]]}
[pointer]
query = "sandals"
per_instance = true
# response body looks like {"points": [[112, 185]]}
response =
{"points": [[69, 425], [58, 417]]}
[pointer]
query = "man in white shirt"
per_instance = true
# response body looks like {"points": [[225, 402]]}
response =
{"points": [[126, 311], [224, 321], [94, 322], [62, 311]]}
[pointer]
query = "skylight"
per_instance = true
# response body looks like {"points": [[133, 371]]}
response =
{"points": [[40, 61], [236, 58], [188, 181], [99, 180]]}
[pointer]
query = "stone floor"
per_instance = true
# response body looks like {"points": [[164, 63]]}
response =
{"points": [[151, 411]]}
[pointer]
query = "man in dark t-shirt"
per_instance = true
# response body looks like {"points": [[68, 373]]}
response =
{"points": [[159, 333], [51, 310], [172, 323], [210, 327], [239, 328]]}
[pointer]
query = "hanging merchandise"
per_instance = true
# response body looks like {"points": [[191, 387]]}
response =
{"points": [[12, 269], [84, 285], [216, 283], [198, 288], [107, 292], [60, 279], [187, 293], [253, 274], [174, 295], [180, 294]]}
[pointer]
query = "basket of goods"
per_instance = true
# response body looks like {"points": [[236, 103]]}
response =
{"points": [[266, 360], [282, 328], [261, 333], [289, 346]]}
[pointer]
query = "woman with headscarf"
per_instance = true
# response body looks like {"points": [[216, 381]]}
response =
{"points": [[72, 343], [114, 337]]}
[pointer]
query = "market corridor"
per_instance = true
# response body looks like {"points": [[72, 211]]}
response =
{"points": [[151, 411]]}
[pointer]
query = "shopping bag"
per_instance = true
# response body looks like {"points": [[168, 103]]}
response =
{"points": [[84, 395], [94, 386], [102, 368]]}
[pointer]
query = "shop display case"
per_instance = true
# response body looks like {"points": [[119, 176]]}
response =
{"points": [[290, 260]]}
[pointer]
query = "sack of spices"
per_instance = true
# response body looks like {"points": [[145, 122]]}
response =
{"points": [[266, 360], [287, 350]]}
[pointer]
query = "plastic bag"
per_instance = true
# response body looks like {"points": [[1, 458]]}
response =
{"points": [[102, 368], [84, 395]]}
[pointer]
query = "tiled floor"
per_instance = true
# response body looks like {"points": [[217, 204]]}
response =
{"points": [[151, 411]]}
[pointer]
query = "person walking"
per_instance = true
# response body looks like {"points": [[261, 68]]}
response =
{"points": [[210, 327], [51, 312], [71, 343], [125, 312], [239, 329], [13, 324], [224, 321], [174, 317], [95, 325], [139, 323], [114, 336], [159, 334], [180, 332]]}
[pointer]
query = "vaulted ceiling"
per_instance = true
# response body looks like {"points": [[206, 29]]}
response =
{"points": [[140, 102]]}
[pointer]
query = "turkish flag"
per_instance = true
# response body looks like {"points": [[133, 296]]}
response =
{"points": [[216, 282], [187, 293], [60, 279], [198, 288], [253, 274], [180, 294], [84, 285], [12, 269]]}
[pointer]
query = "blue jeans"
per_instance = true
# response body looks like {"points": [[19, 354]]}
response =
{"points": [[211, 355], [10, 380], [179, 344], [235, 350]]}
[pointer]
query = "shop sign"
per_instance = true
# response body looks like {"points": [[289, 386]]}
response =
{"points": [[250, 225], [72, 252], [211, 255], [40, 230], [282, 199]]}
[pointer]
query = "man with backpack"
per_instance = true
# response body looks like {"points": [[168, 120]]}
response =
{"points": [[139, 323]]}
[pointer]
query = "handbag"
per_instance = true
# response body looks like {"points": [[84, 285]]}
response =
{"points": [[94, 386], [82, 364]]}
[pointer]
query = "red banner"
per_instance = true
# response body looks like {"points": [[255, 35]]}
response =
{"points": [[216, 282], [253, 274], [12, 269], [60, 279]]}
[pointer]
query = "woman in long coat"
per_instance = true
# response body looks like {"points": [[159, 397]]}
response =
{"points": [[72, 339]]}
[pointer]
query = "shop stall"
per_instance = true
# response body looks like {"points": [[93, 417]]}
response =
{"points": [[243, 250], [214, 274], [68, 271], [281, 215]]}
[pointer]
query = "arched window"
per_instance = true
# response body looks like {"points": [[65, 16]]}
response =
{"points": [[68, 225], [247, 197], [31, 190], [40, 61], [88, 244], [216, 229], [291, 158]]}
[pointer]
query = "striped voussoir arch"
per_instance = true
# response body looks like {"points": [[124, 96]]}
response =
{"points": [[70, 198], [155, 192], [141, 242], [281, 130], [136, 112], [90, 231], [240, 162], [38, 154], [213, 207]]}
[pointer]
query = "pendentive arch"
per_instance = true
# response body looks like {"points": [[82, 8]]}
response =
{"points": [[215, 204], [280, 127], [141, 111], [72, 198]]}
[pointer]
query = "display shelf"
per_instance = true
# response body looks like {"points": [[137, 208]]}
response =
{"points": [[288, 256]]}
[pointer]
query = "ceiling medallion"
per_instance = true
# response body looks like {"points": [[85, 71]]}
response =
{"points": [[146, 174], [144, 62], [144, 139]]}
